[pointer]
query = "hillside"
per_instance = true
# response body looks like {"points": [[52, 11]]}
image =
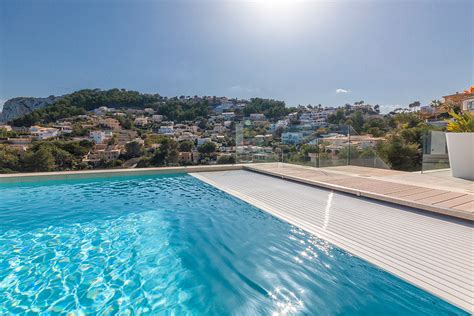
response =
{"points": [[17, 107]]}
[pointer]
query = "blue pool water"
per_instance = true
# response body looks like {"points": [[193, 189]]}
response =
{"points": [[174, 245]]}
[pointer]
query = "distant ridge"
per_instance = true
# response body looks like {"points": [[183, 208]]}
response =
{"points": [[17, 107]]}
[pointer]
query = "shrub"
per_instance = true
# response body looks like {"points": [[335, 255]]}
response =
{"points": [[463, 123]]}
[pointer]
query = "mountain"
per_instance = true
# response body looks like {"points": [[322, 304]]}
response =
{"points": [[20, 106]]}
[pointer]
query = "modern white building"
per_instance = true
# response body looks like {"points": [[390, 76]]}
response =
{"points": [[292, 138], [224, 107], [202, 141], [228, 115], [97, 137], [44, 132], [166, 130], [102, 110], [468, 105]]}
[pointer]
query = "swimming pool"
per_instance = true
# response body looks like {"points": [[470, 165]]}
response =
{"points": [[155, 244]]}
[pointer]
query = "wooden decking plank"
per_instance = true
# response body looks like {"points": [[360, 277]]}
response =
{"points": [[457, 201], [465, 207], [411, 191], [423, 197], [446, 196]]}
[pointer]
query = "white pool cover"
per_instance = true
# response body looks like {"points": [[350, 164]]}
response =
{"points": [[433, 252]]}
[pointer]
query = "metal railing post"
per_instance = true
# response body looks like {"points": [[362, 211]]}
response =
{"points": [[349, 139]]}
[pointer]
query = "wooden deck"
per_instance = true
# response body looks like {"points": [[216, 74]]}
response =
{"points": [[403, 188]]}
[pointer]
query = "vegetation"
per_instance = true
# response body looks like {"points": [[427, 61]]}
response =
{"points": [[271, 108], [90, 99], [184, 110], [45, 156], [463, 123], [166, 154], [207, 148], [402, 130], [48, 114], [400, 153], [133, 149], [186, 146], [9, 159], [226, 159], [174, 109], [77, 103]]}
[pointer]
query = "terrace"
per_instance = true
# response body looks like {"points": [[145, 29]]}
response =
{"points": [[417, 226], [435, 191], [405, 223]]}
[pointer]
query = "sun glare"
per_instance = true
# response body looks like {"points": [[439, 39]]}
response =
{"points": [[271, 4], [281, 14]]}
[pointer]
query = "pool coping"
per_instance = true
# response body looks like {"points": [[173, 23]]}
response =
{"points": [[82, 174]]}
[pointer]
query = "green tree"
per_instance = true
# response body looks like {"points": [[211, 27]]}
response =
{"points": [[166, 154], [271, 108], [226, 159], [186, 145], [133, 149], [62, 158], [400, 154], [375, 126], [125, 122], [357, 121], [8, 159], [414, 105], [39, 160], [207, 148], [337, 117]]}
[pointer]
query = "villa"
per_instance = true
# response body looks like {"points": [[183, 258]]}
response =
{"points": [[44, 132], [291, 137]]}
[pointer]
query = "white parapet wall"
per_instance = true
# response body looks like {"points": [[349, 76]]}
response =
{"points": [[461, 154]]}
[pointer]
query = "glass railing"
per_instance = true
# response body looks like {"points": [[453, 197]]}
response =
{"points": [[435, 151], [329, 147], [251, 147]]}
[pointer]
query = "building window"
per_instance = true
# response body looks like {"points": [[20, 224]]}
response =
{"points": [[470, 106]]}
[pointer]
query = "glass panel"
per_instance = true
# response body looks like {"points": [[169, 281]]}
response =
{"points": [[435, 151], [255, 144], [362, 150], [338, 145]]}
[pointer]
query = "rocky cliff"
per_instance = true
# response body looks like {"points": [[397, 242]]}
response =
{"points": [[17, 107]]}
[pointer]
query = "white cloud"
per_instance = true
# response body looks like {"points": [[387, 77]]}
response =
{"points": [[1, 104], [342, 90]]}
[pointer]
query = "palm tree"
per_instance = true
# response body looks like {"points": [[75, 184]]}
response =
{"points": [[436, 104], [414, 105]]}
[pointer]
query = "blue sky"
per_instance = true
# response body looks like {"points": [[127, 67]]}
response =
{"points": [[329, 52]]}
